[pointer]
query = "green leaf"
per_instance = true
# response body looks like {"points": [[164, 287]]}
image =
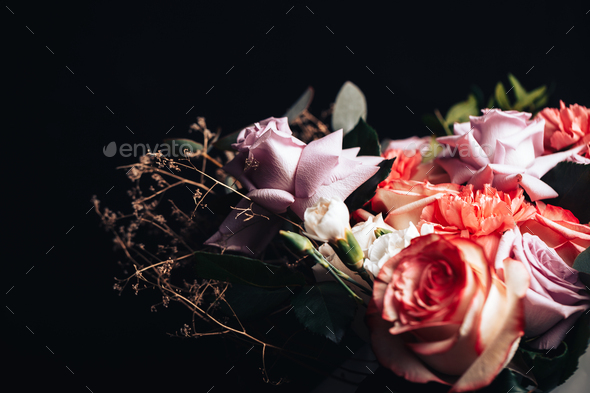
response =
{"points": [[501, 97], [300, 105], [249, 302], [570, 181], [582, 265], [365, 137], [366, 191], [554, 367], [325, 309], [519, 91], [178, 146], [226, 142], [460, 112], [530, 98], [237, 269], [350, 105]]}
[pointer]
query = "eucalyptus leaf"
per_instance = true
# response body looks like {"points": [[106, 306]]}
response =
{"points": [[366, 191], [325, 309], [249, 302], [242, 270], [179, 146], [582, 265], [529, 100], [350, 105], [300, 105], [226, 142], [365, 137], [571, 181]]}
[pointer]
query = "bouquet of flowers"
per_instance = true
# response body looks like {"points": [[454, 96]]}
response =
{"points": [[463, 259]]}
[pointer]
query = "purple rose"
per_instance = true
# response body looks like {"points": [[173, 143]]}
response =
{"points": [[280, 171], [504, 149], [556, 296]]}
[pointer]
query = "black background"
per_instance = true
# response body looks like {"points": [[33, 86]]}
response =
{"points": [[150, 63]]}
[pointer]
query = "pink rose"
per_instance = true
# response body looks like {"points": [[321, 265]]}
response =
{"points": [[280, 171], [556, 296], [439, 313], [565, 126], [504, 149]]}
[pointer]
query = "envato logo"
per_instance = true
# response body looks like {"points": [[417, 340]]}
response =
{"points": [[172, 148], [461, 150]]}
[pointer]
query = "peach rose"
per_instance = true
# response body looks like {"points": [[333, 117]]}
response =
{"points": [[403, 200], [406, 162], [559, 229], [565, 126], [439, 313]]}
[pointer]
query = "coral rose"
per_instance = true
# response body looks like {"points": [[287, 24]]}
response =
{"points": [[439, 313], [565, 126], [560, 229]]}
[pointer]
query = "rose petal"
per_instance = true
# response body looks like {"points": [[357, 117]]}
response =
{"points": [[276, 201]]}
